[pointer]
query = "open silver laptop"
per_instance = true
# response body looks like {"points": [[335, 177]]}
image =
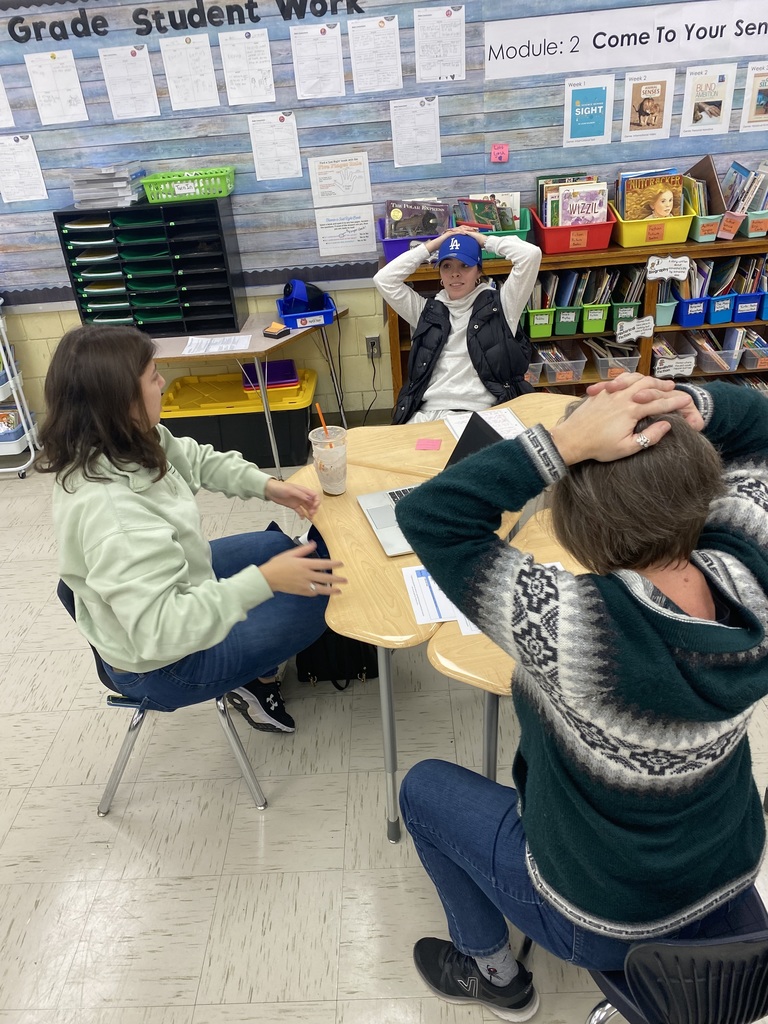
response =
{"points": [[379, 509]]}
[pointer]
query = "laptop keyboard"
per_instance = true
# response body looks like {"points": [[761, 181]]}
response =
{"points": [[401, 493]]}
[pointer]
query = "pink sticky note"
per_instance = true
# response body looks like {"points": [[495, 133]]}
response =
{"points": [[428, 444], [499, 153]]}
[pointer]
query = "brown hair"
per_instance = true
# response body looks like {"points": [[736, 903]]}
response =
{"points": [[647, 509], [95, 406]]}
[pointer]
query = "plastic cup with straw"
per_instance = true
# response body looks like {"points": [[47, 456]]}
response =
{"points": [[329, 454]]}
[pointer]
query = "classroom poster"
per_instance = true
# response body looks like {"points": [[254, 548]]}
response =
{"points": [[344, 230], [708, 100], [318, 67], [647, 105], [22, 179], [56, 87], [588, 114], [754, 113], [340, 180]]}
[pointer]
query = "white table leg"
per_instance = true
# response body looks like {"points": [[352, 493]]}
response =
{"points": [[390, 742], [268, 417]]}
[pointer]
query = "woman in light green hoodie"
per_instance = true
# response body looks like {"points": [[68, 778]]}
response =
{"points": [[175, 619]]}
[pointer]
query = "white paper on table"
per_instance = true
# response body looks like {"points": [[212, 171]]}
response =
{"points": [[503, 421], [439, 42], [6, 114], [224, 343], [318, 68], [189, 72], [56, 87], [415, 131], [345, 229], [247, 66], [338, 180], [374, 46], [22, 178], [130, 84], [275, 145], [428, 601]]}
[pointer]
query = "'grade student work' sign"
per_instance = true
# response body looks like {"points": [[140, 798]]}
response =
{"points": [[628, 36]]}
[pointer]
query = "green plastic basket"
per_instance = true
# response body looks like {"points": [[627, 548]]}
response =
{"points": [[178, 186]]}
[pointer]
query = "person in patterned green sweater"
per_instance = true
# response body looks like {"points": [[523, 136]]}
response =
{"points": [[634, 813]]}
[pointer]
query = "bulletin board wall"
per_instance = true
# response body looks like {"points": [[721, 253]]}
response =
{"points": [[512, 93]]}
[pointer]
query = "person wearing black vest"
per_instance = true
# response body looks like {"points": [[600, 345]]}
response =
{"points": [[468, 351]]}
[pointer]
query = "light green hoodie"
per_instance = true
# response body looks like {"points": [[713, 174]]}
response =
{"points": [[133, 552]]}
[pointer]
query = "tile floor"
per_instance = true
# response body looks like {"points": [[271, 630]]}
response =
{"points": [[186, 905]]}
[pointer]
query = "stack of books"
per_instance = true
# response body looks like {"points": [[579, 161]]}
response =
{"points": [[745, 190], [571, 199], [416, 218], [104, 187], [638, 194]]}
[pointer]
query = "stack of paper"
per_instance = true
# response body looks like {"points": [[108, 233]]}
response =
{"points": [[104, 187]]}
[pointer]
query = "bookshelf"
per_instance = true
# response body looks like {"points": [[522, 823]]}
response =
{"points": [[426, 281]]}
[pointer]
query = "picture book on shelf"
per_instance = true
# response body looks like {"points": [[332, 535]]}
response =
{"points": [[507, 206], [583, 203], [647, 195], [410, 219], [481, 212]]}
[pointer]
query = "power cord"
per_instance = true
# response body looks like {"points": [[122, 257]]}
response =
{"points": [[375, 392]]}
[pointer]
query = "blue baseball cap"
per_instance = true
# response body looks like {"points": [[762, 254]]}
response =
{"points": [[463, 248]]}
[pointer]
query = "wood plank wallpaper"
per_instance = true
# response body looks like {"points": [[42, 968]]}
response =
{"points": [[275, 219]]}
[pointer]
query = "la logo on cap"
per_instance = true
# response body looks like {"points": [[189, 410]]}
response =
{"points": [[455, 243]]}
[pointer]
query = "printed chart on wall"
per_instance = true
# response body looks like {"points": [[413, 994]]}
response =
{"points": [[708, 100], [130, 85], [588, 115], [415, 131], [754, 113], [439, 43], [22, 178], [647, 105], [275, 145]]}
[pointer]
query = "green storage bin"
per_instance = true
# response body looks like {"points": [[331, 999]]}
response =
{"points": [[540, 322], [567, 319], [521, 232], [594, 317], [623, 311]]}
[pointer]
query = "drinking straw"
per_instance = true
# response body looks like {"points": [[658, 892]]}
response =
{"points": [[322, 420]]}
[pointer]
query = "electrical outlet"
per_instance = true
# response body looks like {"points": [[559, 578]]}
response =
{"points": [[373, 346]]}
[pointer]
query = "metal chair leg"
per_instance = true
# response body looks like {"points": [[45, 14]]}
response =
{"points": [[601, 1013], [137, 720], [240, 756], [490, 734]]}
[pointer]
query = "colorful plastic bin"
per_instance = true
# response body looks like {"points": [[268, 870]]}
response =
{"points": [[755, 224], [623, 311], [397, 246], [540, 322], [586, 237], [656, 230], [521, 232], [665, 312], [747, 307], [594, 317], [720, 308], [567, 319], [690, 312], [313, 318]]}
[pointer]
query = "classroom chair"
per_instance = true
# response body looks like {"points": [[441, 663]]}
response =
{"points": [[720, 978], [116, 699]]}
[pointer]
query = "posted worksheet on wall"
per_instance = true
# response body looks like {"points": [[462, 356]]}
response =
{"points": [[588, 110], [340, 180], [130, 84], [415, 131], [374, 45], [189, 72], [647, 105], [56, 87], [754, 113], [347, 229], [22, 178], [275, 145], [439, 42], [6, 114], [708, 100], [247, 66], [318, 68]]}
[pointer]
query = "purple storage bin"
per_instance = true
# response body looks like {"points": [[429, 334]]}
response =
{"points": [[396, 246]]}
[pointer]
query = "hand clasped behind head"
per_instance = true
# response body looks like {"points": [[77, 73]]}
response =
{"points": [[642, 440]]}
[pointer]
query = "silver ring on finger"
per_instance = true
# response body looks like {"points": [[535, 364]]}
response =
{"points": [[313, 587], [642, 440]]}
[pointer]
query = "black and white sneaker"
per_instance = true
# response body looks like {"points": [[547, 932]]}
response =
{"points": [[456, 978], [262, 706]]}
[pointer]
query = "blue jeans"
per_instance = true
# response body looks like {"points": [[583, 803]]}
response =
{"points": [[470, 839], [272, 632]]}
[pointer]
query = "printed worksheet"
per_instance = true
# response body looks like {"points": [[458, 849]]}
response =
{"points": [[318, 68], [415, 131], [130, 84], [22, 178], [197, 346], [754, 112], [247, 66], [439, 41], [189, 72], [6, 114], [374, 45], [347, 229], [588, 110], [340, 180], [56, 87], [275, 145]]}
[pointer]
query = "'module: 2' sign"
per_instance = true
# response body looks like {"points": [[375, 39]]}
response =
{"points": [[22, 29]]}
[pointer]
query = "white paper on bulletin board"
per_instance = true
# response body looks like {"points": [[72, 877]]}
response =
{"points": [[754, 113], [22, 179], [56, 87], [130, 83], [340, 180], [648, 99], [415, 131], [189, 72], [347, 229], [6, 114], [439, 43], [275, 145], [247, 66], [708, 100], [374, 46], [318, 68], [588, 111]]}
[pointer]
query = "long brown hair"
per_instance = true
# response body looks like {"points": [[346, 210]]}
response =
{"points": [[95, 406]]}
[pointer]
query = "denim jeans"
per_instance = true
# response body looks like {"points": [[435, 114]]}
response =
{"points": [[272, 632], [470, 839]]}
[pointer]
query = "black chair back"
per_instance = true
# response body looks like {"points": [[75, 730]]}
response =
{"points": [[67, 598]]}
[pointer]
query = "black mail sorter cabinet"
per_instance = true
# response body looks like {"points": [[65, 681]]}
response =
{"points": [[167, 268]]}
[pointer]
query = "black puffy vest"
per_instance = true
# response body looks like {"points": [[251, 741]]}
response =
{"points": [[500, 358]]}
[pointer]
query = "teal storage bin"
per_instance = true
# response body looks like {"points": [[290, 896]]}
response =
{"points": [[665, 311], [755, 224], [720, 308], [521, 232]]}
